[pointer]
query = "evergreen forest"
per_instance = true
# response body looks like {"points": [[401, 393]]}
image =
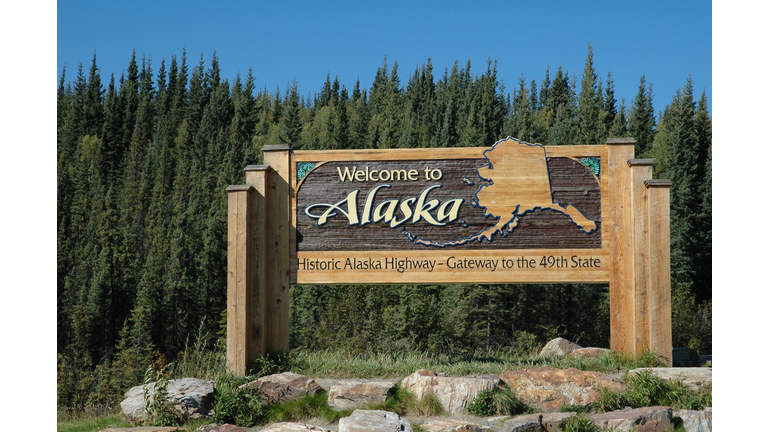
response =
{"points": [[144, 160]]}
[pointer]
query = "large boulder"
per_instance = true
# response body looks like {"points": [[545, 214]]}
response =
{"points": [[453, 393], [226, 427], [582, 353], [374, 421], [548, 388], [536, 422], [638, 419], [187, 397], [696, 421], [523, 423], [284, 386], [451, 425], [349, 394], [558, 347], [693, 378], [293, 427]]}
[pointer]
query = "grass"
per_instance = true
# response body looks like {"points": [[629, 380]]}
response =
{"points": [[580, 423], [348, 364], [304, 409], [93, 424], [403, 402], [646, 389]]}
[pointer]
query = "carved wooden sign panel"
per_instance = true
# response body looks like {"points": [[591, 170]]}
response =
{"points": [[514, 212]]}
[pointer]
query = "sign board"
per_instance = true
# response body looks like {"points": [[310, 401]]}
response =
{"points": [[513, 212]]}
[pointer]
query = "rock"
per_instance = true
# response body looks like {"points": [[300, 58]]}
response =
{"points": [[285, 386], [589, 352], [454, 393], [634, 419], [548, 388], [696, 421], [451, 425], [550, 422], [145, 429], [555, 421], [374, 421], [654, 426], [693, 378], [293, 427], [350, 394], [523, 423], [226, 427], [190, 397], [685, 357], [558, 347]]}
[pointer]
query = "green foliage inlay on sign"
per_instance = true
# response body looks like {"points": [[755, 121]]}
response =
{"points": [[593, 163], [302, 169]]}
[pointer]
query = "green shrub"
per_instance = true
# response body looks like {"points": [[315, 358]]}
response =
{"points": [[273, 364], [242, 407], [159, 410], [496, 401]]}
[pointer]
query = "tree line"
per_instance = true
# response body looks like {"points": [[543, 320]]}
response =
{"points": [[143, 164]]}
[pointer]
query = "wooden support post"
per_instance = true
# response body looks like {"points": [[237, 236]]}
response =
{"points": [[621, 150], [659, 286], [641, 170], [240, 278], [257, 177], [277, 247]]}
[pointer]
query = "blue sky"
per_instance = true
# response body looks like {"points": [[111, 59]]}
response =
{"points": [[664, 40]]}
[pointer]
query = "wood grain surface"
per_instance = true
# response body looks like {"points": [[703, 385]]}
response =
{"points": [[571, 183]]}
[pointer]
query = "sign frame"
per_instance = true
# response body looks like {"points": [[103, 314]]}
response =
{"points": [[262, 251], [532, 273]]}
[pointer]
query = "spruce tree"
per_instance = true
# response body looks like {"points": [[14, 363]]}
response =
{"points": [[608, 113], [290, 124], [92, 102], [558, 93], [685, 203], [544, 92], [342, 129], [641, 124], [703, 257], [590, 104]]}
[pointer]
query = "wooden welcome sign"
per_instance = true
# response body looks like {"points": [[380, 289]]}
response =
{"points": [[514, 212]]}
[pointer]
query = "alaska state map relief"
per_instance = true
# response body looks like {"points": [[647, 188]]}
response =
{"points": [[519, 183]]}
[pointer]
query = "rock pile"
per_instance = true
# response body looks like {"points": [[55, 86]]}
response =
{"points": [[545, 389]]}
